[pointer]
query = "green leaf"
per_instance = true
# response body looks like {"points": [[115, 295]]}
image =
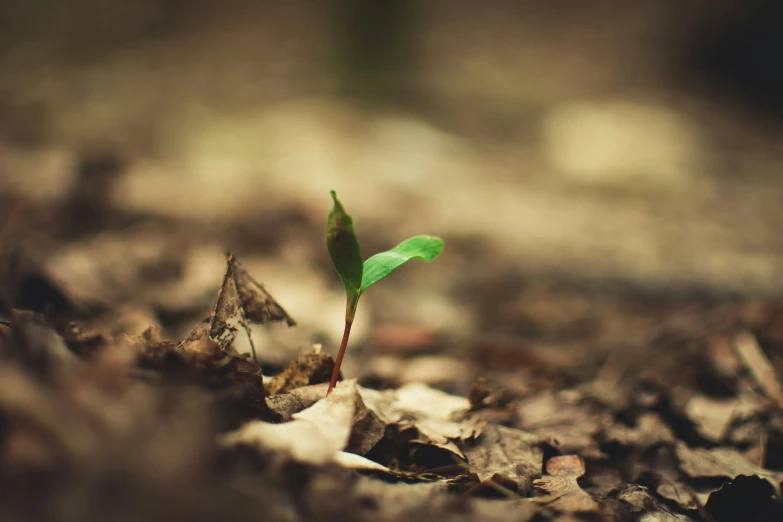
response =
{"points": [[380, 265], [343, 247]]}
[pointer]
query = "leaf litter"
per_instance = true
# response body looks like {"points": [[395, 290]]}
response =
{"points": [[106, 395]]}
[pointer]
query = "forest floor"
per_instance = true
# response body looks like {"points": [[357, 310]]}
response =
{"points": [[601, 338], [579, 401]]}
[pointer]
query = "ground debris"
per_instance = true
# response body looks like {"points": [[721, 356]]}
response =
{"points": [[563, 493], [616, 407]]}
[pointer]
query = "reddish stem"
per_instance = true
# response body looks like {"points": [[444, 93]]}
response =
{"points": [[340, 355]]}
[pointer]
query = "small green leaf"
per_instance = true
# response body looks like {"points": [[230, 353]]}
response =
{"points": [[380, 265], [343, 247]]}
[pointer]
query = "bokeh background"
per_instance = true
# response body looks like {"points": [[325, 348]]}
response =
{"points": [[616, 148]]}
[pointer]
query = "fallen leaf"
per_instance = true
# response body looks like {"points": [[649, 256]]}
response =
{"points": [[426, 414], [424, 401], [713, 417], [359, 463], [259, 307], [571, 425], [647, 508], [32, 342], [315, 435], [721, 462], [201, 361], [431, 414], [242, 300], [649, 430], [505, 456], [311, 368], [560, 484], [684, 495]]}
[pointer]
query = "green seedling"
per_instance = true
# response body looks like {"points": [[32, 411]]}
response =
{"points": [[358, 275]]}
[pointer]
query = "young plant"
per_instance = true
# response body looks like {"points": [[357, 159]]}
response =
{"points": [[358, 275]]}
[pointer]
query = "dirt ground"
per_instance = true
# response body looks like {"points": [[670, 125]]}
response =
{"points": [[601, 339]]}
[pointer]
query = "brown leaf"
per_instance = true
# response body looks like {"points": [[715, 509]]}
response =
{"points": [[259, 307], [431, 413], [417, 408], [564, 493], [641, 502], [242, 300], [684, 495], [367, 427], [650, 429], [200, 360], [32, 342], [505, 456], [572, 425], [713, 417], [312, 368], [315, 435], [721, 462]]}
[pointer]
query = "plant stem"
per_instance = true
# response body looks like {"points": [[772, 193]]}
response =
{"points": [[340, 355]]}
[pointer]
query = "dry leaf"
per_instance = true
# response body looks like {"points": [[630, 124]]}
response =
{"points": [[431, 414], [199, 360], [721, 462], [560, 484], [647, 508], [32, 342], [684, 495], [314, 436], [367, 427], [650, 429], [416, 407], [713, 417], [570, 425], [241, 300], [505, 456], [311, 368], [359, 463]]}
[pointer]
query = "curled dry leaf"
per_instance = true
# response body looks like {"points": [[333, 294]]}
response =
{"points": [[315, 435], [241, 300], [560, 484], [505, 456]]}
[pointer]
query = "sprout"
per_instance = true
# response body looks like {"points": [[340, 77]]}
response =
{"points": [[358, 275]]}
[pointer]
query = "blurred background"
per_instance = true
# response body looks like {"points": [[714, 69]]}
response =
{"points": [[585, 161]]}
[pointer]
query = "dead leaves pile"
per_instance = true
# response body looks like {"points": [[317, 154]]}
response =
{"points": [[198, 417]]}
